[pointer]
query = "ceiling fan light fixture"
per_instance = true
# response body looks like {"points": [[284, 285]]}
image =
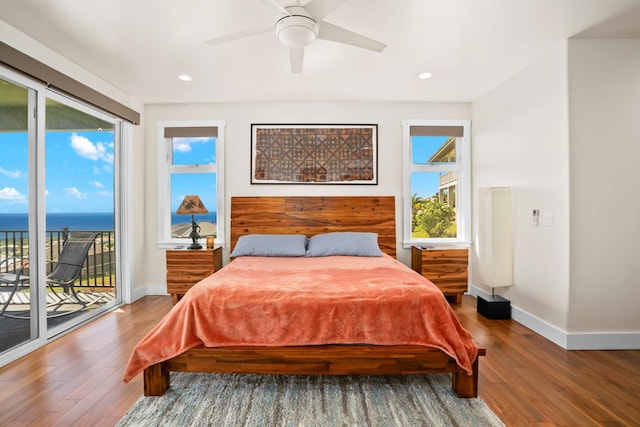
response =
{"points": [[298, 29], [296, 36]]}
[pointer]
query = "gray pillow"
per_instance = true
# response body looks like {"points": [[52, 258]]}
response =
{"points": [[344, 243], [285, 245]]}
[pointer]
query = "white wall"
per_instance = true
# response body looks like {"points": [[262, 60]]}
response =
{"points": [[136, 210], [240, 116], [604, 94], [520, 139]]}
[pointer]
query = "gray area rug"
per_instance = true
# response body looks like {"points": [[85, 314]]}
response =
{"points": [[197, 399]]}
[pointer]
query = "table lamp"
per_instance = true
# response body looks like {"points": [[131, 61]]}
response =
{"points": [[193, 205]]}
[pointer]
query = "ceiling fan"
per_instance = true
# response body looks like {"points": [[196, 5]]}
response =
{"points": [[298, 26]]}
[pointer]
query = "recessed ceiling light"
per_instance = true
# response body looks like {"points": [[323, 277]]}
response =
{"points": [[425, 75], [185, 77]]}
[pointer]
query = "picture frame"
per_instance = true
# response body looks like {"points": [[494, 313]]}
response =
{"points": [[314, 154]]}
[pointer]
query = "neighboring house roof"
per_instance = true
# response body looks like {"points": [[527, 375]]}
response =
{"points": [[446, 152]]}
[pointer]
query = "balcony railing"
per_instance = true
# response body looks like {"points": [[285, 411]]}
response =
{"points": [[98, 270], [447, 178]]}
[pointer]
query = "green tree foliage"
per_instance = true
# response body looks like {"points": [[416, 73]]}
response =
{"points": [[434, 218], [416, 202]]}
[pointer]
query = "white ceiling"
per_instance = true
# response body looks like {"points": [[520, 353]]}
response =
{"points": [[470, 46]]}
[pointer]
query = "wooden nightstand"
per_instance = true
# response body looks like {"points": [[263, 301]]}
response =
{"points": [[186, 267], [446, 268]]}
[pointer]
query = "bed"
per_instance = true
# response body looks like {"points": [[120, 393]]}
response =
{"points": [[208, 331]]}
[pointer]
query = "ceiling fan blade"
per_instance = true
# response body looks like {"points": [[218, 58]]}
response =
{"points": [[296, 55], [236, 36], [321, 8], [275, 5], [338, 34]]}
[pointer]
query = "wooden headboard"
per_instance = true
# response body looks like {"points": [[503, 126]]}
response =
{"points": [[315, 215]]}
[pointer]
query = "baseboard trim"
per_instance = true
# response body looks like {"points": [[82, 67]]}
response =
{"points": [[156, 290], [568, 340], [604, 341], [138, 293]]}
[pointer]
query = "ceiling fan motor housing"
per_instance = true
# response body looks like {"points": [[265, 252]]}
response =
{"points": [[298, 29]]}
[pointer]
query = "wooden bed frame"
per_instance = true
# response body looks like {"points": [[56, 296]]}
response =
{"points": [[310, 216]]}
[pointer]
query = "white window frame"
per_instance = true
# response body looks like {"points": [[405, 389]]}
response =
{"points": [[462, 167], [165, 168]]}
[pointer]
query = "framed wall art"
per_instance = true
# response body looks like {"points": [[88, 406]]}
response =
{"points": [[314, 154]]}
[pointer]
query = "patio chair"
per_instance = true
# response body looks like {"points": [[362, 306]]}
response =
{"points": [[65, 272], [69, 264], [13, 279]]}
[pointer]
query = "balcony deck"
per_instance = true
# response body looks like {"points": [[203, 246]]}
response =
{"points": [[95, 286], [14, 331]]}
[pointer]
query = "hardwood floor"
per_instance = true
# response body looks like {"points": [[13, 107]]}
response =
{"points": [[525, 379], [75, 380]]}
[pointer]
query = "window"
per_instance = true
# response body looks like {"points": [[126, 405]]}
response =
{"points": [[437, 201], [191, 163]]}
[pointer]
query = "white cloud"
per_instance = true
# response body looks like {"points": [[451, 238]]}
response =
{"points": [[15, 174], [11, 194], [87, 149], [108, 157], [75, 193], [96, 184], [203, 139], [184, 144], [182, 147]]}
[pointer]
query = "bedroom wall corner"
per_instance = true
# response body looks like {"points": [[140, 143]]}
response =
{"points": [[604, 94], [520, 139], [135, 286]]}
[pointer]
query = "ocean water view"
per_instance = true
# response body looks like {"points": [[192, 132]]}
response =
{"points": [[93, 221]]}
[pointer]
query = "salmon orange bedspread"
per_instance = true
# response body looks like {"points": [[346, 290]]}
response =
{"points": [[278, 301]]}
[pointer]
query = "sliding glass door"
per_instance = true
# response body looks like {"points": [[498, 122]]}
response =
{"points": [[58, 224], [80, 162], [17, 141]]}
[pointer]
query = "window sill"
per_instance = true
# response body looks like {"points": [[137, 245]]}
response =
{"points": [[437, 245], [184, 242]]}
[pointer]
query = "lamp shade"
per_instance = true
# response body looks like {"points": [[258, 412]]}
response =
{"points": [[192, 205], [494, 239]]}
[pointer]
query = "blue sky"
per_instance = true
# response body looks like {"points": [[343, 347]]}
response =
{"points": [[13, 172], [194, 151], [79, 172], [423, 147]]}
